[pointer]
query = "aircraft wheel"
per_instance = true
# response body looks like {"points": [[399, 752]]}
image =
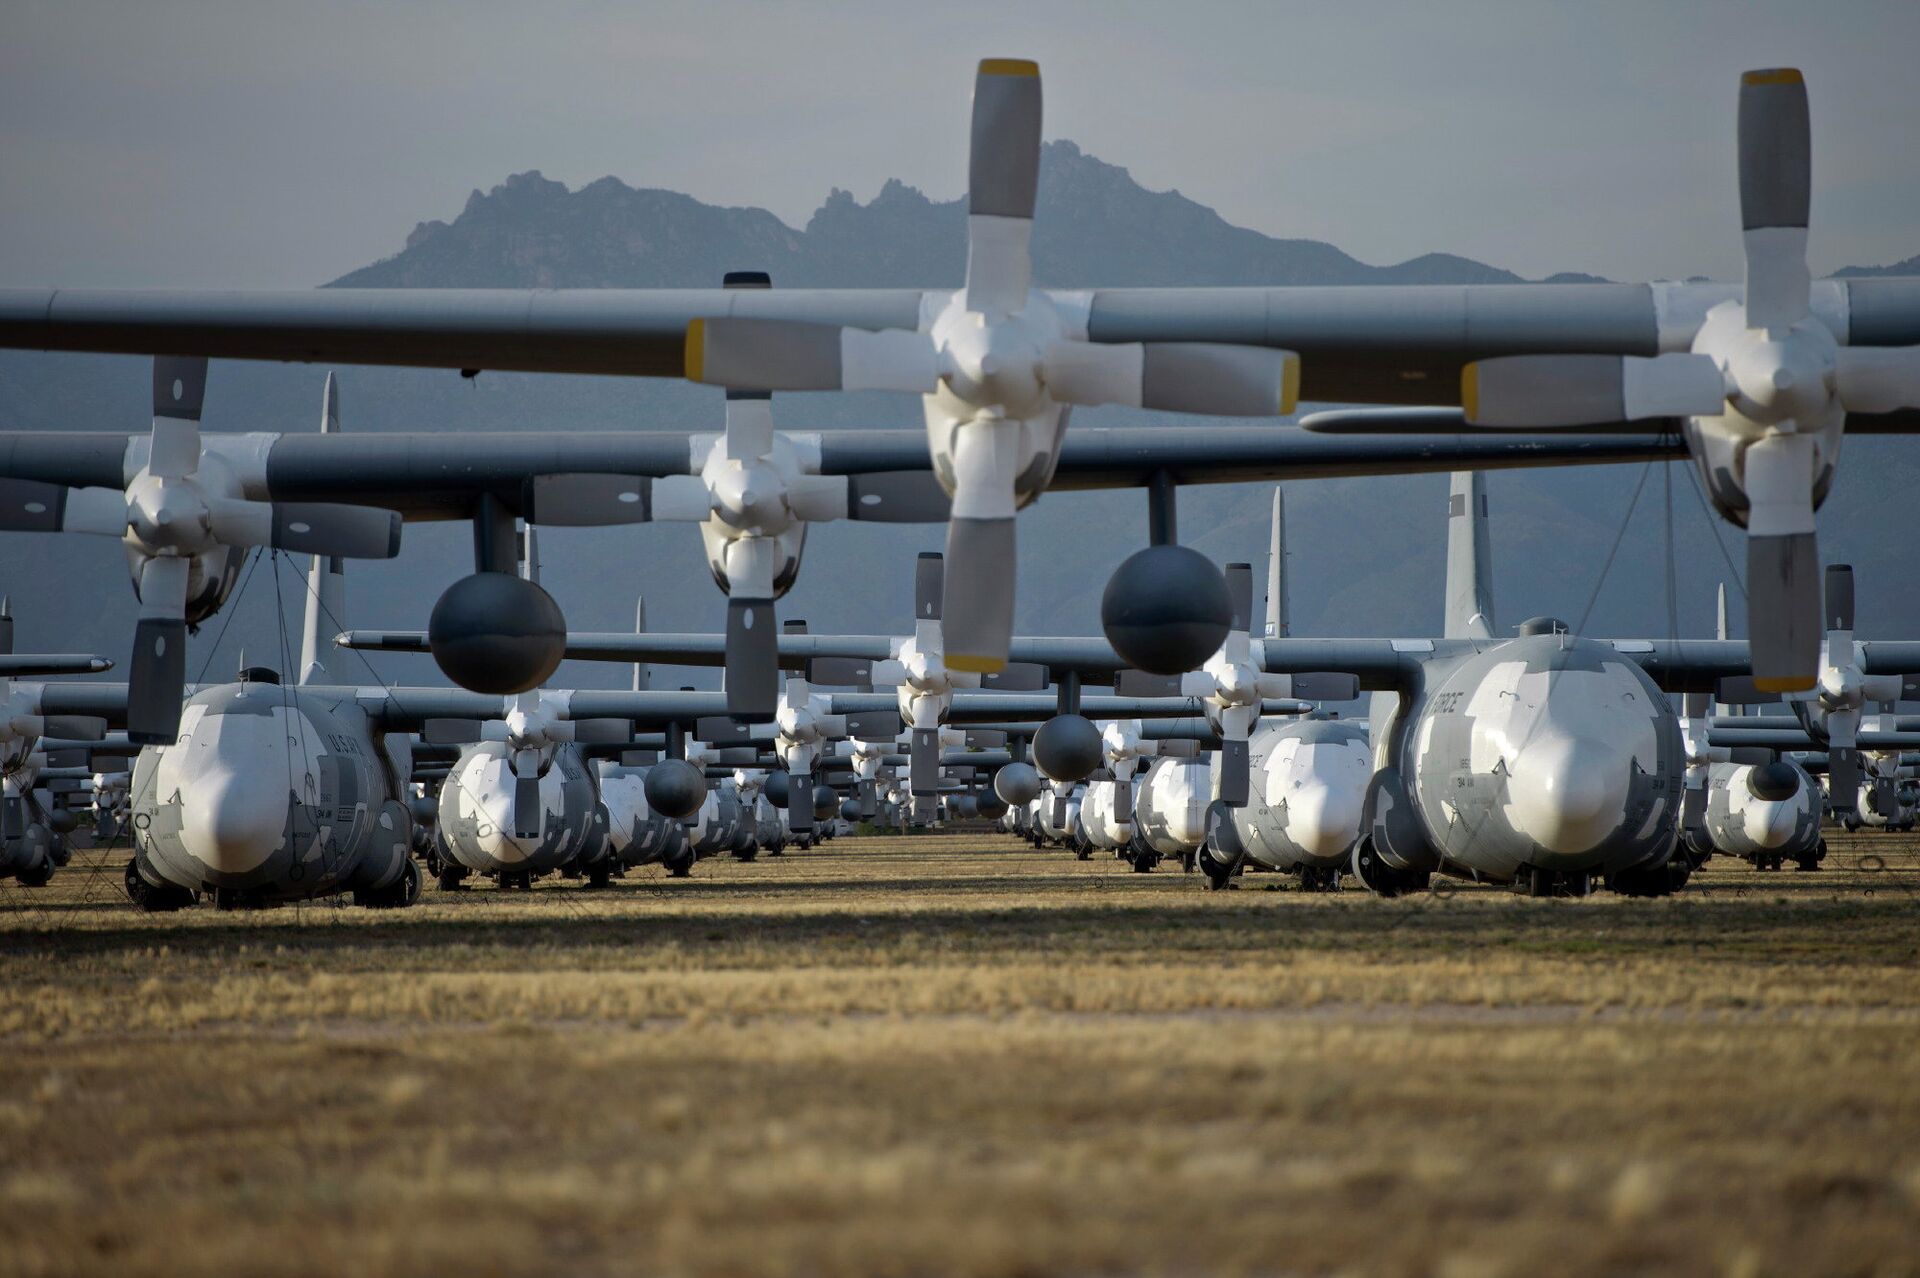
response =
{"points": [[1189, 862], [1375, 874], [397, 895], [1319, 878], [155, 900], [748, 853], [1143, 862], [39, 876], [1083, 854], [600, 873], [1219, 875], [451, 876], [680, 867]]}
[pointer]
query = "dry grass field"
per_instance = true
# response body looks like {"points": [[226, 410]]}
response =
{"points": [[953, 1055]]}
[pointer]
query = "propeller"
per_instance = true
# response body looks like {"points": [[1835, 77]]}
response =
{"points": [[1764, 376], [998, 365], [1233, 687], [178, 516], [1833, 709], [531, 725]]}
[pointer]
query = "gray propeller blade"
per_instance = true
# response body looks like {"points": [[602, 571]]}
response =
{"points": [[602, 731], [587, 500], [450, 731], [800, 801], [27, 505], [869, 802], [1326, 686], [526, 808], [1235, 774], [334, 528], [1843, 778], [1138, 683], [874, 725], [1123, 800], [897, 497], [768, 355], [1240, 595], [157, 675], [1003, 163], [986, 738], [1776, 183], [75, 727], [753, 659], [1546, 391], [1017, 676], [715, 730], [1840, 598], [840, 672], [1219, 381], [976, 609], [1783, 608], [1693, 807], [929, 586], [923, 761], [1740, 690]]}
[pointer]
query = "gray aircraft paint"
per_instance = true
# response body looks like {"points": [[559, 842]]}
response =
{"points": [[477, 812], [272, 792], [1310, 780], [1740, 823]]}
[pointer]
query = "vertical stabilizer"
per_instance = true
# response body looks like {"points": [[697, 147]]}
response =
{"points": [[1469, 559], [642, 673], [326, 604], [1720, 632], [1278, 625]]}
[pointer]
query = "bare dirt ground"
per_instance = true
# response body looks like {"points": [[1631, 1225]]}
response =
{"points": [[954, 1055]]}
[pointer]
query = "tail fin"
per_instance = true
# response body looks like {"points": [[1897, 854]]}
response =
{"points": [[642, 674], [1277, 623], [326, 603], [529, 553], [1720, 632], [1469, 559]]}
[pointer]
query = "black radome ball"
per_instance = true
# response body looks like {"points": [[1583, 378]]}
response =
{"points": [[675, 789], [497, 633], [1166, 610], [1068, 748]]}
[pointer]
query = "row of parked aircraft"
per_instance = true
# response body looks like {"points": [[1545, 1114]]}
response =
{"points": [[1542, 758]]}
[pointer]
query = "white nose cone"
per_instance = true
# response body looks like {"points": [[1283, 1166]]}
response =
{"points": [[1568, 793], [1769, 825], [1323, 820], [231, 823]]}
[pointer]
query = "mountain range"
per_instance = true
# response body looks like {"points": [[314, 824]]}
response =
{"points": [[1365, 555]]}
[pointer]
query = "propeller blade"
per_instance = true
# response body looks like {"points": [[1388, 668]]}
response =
{"points": [[1018, 676], [923, 761], [1783, 564], [680, 499], [1233, 773], [869, 800], [840, 672], [797, 355], [898, 497], [715, 730], [526, 807], [334, 528], [1325, 687], [1877, 379], [1693, 807], [985, 738], [1843, 778], [873, 725], [749, 425], [753, 659], [1138, 683], [157, 675], [1240, 595], [27, 505], [1176, 377], [1741, 690], [586, 500], [1003, 177], [1840, 598], [1123, 799], [800, 801], [451, 731], [976, 607], [1776, 182], [179, 389], [1547, 391], [602, 731], [74, 727], [818, 498]]}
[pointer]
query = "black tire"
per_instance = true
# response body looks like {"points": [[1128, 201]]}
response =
{"points": [[1083, 854], [680, 867], [397, 895], [600, 873], [39, 876], [1219, 874], [1375, 874], [452, 877], [1189, 862], [1143, 862], [749, 853]]}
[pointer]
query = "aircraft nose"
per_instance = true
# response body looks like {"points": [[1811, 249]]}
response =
{"points": [[232, 823], [1324, 820], [1769, 825], [1568, 794]]}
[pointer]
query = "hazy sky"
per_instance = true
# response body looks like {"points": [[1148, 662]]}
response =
{"points": [[261, 143]]}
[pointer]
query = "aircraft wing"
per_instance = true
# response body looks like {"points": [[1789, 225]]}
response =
{"points": [[1397, 344], [441, 474]]}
